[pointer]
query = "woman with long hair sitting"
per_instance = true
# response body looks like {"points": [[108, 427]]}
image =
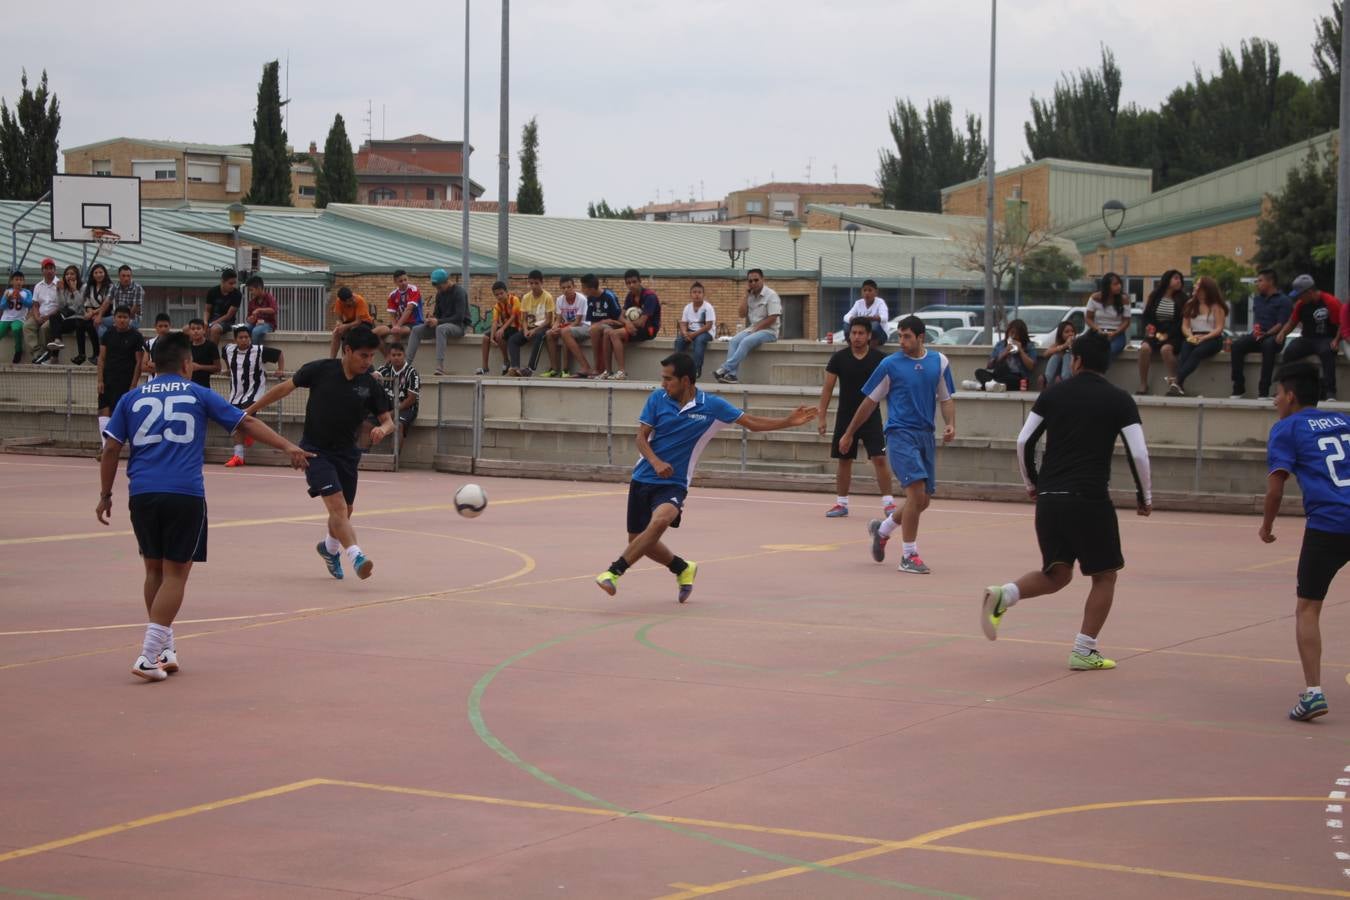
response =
{"points": [[1202, 321]]}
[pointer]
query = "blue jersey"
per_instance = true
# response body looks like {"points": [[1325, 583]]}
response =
{"points": [[164, 421], [911, 388], [1314, 446], [679, 433]]}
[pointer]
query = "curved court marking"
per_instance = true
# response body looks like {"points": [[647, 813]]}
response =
{"points": [[1335, 807]]}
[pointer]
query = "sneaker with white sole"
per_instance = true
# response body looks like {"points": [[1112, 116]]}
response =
{"points": [[991, 611], [168, 660], [912, 565], [1087, 662], [364, 565], [878, 540], [838, 511], [148, 670]]}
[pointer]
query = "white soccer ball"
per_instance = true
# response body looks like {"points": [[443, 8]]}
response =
{"points": [[470, 501], [633, 313]]}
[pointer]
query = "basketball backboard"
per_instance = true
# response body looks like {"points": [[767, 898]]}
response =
{"points": [[84, 204]]}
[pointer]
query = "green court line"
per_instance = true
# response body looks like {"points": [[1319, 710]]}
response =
{"points": [[39, 895], [492, 741]]}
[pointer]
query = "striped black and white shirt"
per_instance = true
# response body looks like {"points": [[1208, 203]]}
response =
{"points": [[400, 383], [247, 378]]}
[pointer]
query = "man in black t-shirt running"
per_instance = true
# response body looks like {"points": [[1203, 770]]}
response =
{"points": [[1075, 520], [342, 392], [851, 367]]}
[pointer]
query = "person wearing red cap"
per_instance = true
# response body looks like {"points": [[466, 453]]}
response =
{"points": [[37, 330]]}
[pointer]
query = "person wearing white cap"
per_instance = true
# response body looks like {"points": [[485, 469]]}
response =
{"points": [[1319, 313]]}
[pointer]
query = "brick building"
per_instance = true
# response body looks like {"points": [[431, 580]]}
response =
{"points": [[683, 211], [415, 170], [779, 201], [1058, 192]]}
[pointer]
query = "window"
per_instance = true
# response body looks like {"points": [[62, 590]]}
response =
{"points": [[306, 190], [155, 169], [231, 179], [203, 172], [754, 206], [431, 193], [785, 208], [380, 194], [102, 167]]}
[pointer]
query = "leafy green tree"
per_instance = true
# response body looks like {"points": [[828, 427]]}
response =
{"points": [[603, 210], [1327, 59], [1048, 268], [930, 153], [1228, 274], [271, 184], [530, 194], [28, 142], [335, 180], [1299, 219]]}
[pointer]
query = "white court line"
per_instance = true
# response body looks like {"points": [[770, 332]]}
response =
{"points": [[206, 470]]}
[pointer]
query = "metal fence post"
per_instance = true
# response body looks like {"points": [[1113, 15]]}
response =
{"points": [[609, 426], [1199, 444], [476, 446], [70, 400], [745, 435], [440, 396]]}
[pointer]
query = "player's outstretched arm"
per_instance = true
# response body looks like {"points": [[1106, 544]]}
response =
{"points": [[799, 416], [112, 455], [1274, 495], [274, 393], [258, 430]]}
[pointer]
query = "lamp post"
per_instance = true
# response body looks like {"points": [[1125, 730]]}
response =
{"points": [[237, 213], [1101, 258], [1113, 217], [851, 229], [794, 227]]}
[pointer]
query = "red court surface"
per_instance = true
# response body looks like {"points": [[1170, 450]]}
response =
{"points": [[479, 720]]}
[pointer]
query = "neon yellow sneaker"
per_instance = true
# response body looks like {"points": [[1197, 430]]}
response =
{"points": [[686, 580], [1094, 660], [991, 611], [608, 581]]}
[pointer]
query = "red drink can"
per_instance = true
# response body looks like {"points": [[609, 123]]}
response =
{"points": [[829, 338], [1024, 384]]}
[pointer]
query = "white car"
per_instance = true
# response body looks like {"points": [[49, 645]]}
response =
{"points": [[965, 336], [934, 323]]}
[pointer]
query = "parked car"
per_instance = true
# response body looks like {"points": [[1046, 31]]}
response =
{"points": [[933, 322], [965, 336], [976, 311]]}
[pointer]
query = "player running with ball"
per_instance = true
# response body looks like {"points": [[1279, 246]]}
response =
{"points": [[676, 424]]}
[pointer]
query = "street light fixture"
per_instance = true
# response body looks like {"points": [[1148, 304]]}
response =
{"points": [[237, 213], [851, 229], [1113, 217], [794, 227]]}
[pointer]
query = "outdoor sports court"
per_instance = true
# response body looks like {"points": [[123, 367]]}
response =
{"points": [[479, 720]]}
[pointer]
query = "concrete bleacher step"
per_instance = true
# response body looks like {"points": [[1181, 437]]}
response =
{"points": [[797, 374]]}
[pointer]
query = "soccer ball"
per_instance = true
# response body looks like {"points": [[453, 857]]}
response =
{"points": [[633, 313], [470, 501]]}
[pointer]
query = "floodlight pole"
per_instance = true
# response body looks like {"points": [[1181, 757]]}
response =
{"points": [[504, 152], [1342, 283], [465, 196], [989, 183]]}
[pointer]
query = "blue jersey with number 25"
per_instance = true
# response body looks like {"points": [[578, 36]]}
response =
{"points": [[164, 422], [1313, 445]]}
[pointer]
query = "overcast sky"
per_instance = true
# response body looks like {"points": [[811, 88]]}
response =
{"points": [[633, 97]]}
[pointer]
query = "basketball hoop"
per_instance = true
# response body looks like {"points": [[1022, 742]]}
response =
{"points": [[106, 238]]}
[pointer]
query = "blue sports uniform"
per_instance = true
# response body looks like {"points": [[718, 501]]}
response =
{"points": [[679, 434], [1314, 446], [912, 389], [605, 306], [164, 423]]}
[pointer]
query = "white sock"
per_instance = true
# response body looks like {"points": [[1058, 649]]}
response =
{"points": [[239, 450], [888, 525], [102, 424], [909, 549], [888, 500], [842, 501], [353, 552], [1010, 594], [170, 643], [1314, 689], [331, 544], [156, 639], [1083, 645]]}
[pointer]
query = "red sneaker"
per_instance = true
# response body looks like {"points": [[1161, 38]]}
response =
{"points": [[234, 462]]}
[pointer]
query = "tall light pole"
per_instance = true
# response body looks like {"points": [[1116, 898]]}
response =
{"points": [[237, 212], [1113, 217], [989, 183], [465, 195], [794, 227], [1342, 281], [504, 151], [851, 229]]}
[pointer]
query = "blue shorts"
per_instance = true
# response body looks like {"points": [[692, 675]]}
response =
{"points": [[913, 457], [644, 498]]}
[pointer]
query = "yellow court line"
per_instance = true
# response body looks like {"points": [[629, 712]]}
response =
{"points": [[75, 628], [1266, 565], [156, 819], [314, 517]]}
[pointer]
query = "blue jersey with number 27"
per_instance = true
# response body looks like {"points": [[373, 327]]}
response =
{"points": [[164, 422], [1313, 445]]}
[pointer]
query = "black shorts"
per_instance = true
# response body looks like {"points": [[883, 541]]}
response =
{"points": [[331, 471], [170, 526], [1173, 340], [108, 397], [870, 436], [1323, 554], [644, 498], [1078, 529]]}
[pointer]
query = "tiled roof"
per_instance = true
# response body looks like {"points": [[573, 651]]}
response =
{"points": [[803, 187], [242, 150], [683, 206]]}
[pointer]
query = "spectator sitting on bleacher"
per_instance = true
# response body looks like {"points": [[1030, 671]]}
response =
{"points": [[18, 300], [222, 305], [405, 308], [643, 328], [870, 306], [38, 329], [763, 310], [403, 385], [1202, 321], [1320, 315], [350, 309], [537, 309], [601, 344], [163, 325], [97, 302], [1270, 310], [601, 307], [1012, 362], [70, 317], [506, 322], [1162, 327], [449, 318], [262, 310], [697, 324], [205, 354], [128, 293], [1059, 355], [569, 317], [245, 361]]}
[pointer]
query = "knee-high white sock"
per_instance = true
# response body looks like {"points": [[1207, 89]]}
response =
{"points": [[170, 643], [156, 639], [331, 544]]}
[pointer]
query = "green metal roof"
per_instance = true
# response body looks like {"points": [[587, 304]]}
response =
{"points": [[1063, 165], [240, 150], [346, 244], [558, 245], [164, 257], [901, 221]]}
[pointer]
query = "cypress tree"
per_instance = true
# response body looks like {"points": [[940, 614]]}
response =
{"points": [[271, 184], [530, 195], [335, 180]]}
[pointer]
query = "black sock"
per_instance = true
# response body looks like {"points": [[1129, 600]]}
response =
{"points": [[677, 565], [619, 566]]}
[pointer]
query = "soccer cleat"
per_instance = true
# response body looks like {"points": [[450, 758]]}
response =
{"points": [[608, 581], [1081, 662], [878, 540], [913, 565], [838, 511], [1309, 707], [332, 560], [234, 462], [888, 510], [168, 660], [686, 580], [991, 611], [148, 670], [364, 566]]}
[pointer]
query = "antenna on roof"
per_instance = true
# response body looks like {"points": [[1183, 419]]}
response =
{"points": [[836, 173], [368, 119], [810, 160]]}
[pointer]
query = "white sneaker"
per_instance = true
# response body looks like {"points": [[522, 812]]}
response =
{"points": [[148, 670], [970, 384], [995, 387], [55, 345], [1235, 397], [168, 660], [620, 375]]}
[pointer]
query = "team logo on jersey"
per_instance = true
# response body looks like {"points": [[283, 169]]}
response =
{"points": [[697, 417]]}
